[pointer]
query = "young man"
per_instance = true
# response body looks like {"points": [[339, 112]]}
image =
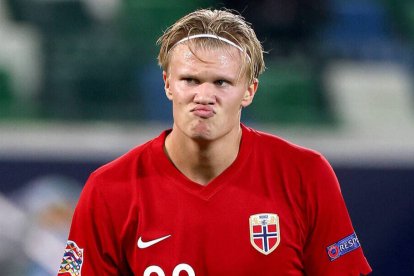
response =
{"points": [[212, 196]]}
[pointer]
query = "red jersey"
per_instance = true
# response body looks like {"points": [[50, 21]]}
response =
{"points": [[277, 210]]}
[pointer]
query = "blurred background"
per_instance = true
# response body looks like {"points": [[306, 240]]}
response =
{"points": [[80, 85]]}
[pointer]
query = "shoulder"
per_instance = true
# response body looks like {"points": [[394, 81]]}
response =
{"points": [[309, 168], [114, 186], [122, 166], [117, 175], [283, 149]]}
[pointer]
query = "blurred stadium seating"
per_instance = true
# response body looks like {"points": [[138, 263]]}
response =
{"points": [[291, 92], [79, 85], [92, 69]]}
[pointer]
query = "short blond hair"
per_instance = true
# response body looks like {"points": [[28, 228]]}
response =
{"points": [[222, 23]]}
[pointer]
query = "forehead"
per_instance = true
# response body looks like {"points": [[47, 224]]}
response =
{"points": [[222, 57]]}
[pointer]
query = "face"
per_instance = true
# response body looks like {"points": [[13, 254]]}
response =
{"points": [[207, 91]]}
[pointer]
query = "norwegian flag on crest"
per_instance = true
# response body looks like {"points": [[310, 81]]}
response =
{"points": [[264, 232]]}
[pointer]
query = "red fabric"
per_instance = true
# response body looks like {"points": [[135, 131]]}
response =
{"points": [[142, 194]]}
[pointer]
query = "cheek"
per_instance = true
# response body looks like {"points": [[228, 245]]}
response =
{"points": [[180, 100], [230, 107], [181, 91], [236, 101]]}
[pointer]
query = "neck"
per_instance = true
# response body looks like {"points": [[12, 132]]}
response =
{"points": [[199, 160]]}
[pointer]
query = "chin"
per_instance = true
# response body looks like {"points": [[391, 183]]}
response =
{"points": [[201, 135], [201, 132]]}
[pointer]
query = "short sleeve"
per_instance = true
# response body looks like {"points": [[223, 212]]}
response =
{"points": [[91, 248], [332, 246]]}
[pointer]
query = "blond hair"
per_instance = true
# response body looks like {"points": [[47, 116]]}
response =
{"points": [[220, 23]]}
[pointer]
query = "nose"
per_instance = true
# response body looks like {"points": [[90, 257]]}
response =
{"points": [[205, 94]]}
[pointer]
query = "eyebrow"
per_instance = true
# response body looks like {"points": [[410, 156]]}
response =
{"points": [[219, 76]]}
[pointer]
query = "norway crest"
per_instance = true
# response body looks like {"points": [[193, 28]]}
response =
{"points": [[264, 232]]}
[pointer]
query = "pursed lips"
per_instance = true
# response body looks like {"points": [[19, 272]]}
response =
{"points": [[203, 111]]}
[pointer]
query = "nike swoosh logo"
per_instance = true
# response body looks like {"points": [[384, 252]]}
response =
{"points": [[142, 244]]}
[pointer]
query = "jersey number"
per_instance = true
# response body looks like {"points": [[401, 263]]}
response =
{"points": [[176, 272]]}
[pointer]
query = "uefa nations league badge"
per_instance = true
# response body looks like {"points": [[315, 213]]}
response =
{"points": [[72, 260], [264, 232]]}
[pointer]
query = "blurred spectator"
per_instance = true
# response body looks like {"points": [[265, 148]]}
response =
{"points": [[35, 225], [19, 55]]}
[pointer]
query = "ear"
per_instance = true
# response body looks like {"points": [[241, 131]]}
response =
{"points": [[250, 92], [167, 85]]}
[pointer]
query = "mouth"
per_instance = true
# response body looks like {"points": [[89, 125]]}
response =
{"points": [[204, 112]]}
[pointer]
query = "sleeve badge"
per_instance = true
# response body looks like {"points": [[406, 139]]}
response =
{"points": [[72, 260], [342, 247]]}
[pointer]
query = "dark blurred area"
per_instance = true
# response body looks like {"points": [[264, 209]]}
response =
{"points": [[284, 26]]}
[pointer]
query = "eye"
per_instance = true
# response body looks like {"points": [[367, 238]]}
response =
{"points": [[190, 80], [221, 82]]}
